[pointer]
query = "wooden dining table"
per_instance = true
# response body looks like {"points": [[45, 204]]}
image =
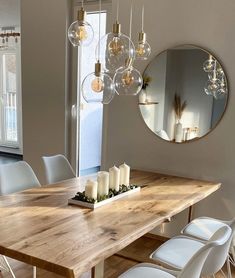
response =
{"points": [[38, 227]]}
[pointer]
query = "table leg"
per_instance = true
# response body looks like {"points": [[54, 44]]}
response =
{"points": [[190, 214], [98, 270], [34, 272]]}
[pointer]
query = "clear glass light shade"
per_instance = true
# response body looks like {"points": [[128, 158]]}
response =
{"points": [[212, 86], [220, 94], [80, 33], [143, 50], [128, 81], [209, 65], [222, 91], [114, 51], [219, 74], [98, 89]]}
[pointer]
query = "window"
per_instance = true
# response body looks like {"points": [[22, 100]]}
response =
{"points": [[91, 115], [10, 98]]}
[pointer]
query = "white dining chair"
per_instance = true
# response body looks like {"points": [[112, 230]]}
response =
{"points": [[192, 268], [176, 252], [15, 177], [57, 168], [203, 227]]}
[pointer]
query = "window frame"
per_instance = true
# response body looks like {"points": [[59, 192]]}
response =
{"points": [[11, 146], [90, 7]]}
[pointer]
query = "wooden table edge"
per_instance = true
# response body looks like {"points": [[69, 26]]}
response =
{"points": [[40, 263]]}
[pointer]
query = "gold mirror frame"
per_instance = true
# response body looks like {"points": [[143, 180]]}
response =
{"points": [[155, 102]]}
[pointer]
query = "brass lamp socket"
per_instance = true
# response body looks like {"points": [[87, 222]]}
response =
{"points": [[129, 62], [116, 28], [81, 14], [142, 37], [210, 57], [97, 69]]}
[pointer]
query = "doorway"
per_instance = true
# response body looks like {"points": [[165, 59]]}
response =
{"points": [[91, 115]]}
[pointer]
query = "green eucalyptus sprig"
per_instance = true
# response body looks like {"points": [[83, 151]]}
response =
{"points": [[80, 196]]}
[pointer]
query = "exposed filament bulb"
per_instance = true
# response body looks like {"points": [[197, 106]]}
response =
{"points": [[97, 85], [116, 46], [140, 49], [127, 78], [81, 33]]}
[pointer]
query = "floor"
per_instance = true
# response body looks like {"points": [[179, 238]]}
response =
{"points": [[136, 252]]}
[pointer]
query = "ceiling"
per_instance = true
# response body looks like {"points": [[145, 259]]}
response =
{"points": [[9, 13]]}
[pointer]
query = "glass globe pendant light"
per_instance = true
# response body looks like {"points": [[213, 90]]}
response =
{"points": [[209, 64], [116, 48], [212, 85], [219, 73], [80, 32], [127, 79], [98, 87], [222, 91], [143, 49]]}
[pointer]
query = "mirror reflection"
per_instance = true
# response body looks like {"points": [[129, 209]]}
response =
{"points": [[184, 94]]}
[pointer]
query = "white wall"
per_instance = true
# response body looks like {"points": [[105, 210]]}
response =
{"points": [[9, 13], [44, 79], [209, 24]]}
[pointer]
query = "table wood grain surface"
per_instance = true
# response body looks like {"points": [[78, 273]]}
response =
{"points": [[38, 227]]}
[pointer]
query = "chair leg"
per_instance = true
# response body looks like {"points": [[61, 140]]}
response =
{"points": [[223, 273], [229, 268], [233, 254], [9, 267], [34, 272]]}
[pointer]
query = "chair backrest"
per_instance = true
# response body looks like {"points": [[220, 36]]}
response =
{"points": [[17, 176], [194, 267], [57, 168], [218, 255]]}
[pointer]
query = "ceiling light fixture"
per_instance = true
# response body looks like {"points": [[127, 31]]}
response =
{"points": [[80, 32], [98, 87], [143, 49], [127, 79], [116, 47]]}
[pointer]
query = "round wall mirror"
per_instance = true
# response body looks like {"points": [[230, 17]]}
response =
{"points": [[184, 94]]}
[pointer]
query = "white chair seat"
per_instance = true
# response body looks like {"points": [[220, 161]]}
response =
{"points": [[145, 271], [176, 252], [203, 227]]}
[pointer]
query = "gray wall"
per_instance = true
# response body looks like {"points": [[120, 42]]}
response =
{"points": [[154, 114], [186, 77], [44, 71], [209, 24]]}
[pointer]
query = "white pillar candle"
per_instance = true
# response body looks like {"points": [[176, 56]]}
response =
{"points": [[103, 183], [114, 179], [91, 189], [124, 174]]}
